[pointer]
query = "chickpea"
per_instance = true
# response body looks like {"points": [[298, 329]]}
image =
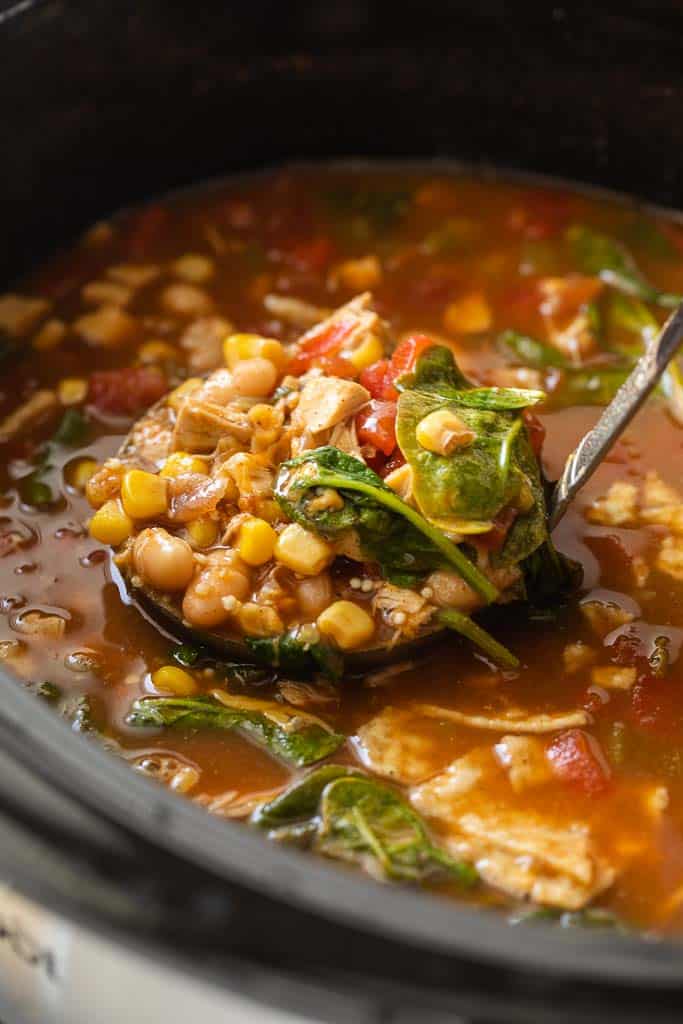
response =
{"points": [[314, 594], [203, 601], [255, 377], [163, 561]]}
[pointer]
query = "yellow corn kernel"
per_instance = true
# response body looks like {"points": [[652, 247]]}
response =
{"points": [[302, 551], [259, 620], [469, 314], [237, 347], [80, 472], [171, 679], [256, 541], [347, 624], [179, 394], [359, 275], [443, 432], [182, 463], [111, 524], [156, 352], [72, 390], [368, 352], [203, 532], [143, 494]]}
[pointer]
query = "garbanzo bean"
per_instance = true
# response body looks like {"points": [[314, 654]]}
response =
{"points": [[203, 602], [256, 377], [163, 561], [314, 594]]}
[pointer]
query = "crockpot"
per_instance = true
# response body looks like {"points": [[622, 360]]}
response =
{"points": [[119, 901]]}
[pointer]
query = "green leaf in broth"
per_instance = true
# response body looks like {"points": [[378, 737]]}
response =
{"points": [[475, 483], [609, 259], [475, 633], [300, 800], [527, 351], [295, 653], [293, 735], [390, 530]]}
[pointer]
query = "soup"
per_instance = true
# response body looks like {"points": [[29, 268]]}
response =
{"points": [[312, 413]]}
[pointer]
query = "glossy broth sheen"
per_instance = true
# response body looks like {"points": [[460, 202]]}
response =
{"points": [[436, 238]]}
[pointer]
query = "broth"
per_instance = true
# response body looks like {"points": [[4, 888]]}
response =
{"points": [[462, 260]]}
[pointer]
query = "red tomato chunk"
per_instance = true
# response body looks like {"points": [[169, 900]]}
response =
{"points": [[576, 758], [127, 391]]}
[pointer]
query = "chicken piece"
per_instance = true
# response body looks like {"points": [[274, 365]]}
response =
{"points": [[39, 406], [670, 558], [524, 760], [203, 342], [295, 311], [513, 720], [616, 508], [388, 746], [564, 310], [20, 314], [194, 495], [217, 388], [354, 322], [326, 401], [201, 425], [151, 439], [254, 480], [451, 591], [405, 610], [604, 616]]}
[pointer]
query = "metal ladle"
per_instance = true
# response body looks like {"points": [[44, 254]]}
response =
{"points": [[579, 467]]}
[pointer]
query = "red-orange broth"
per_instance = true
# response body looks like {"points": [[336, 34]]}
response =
{"points": [[438, 240]]}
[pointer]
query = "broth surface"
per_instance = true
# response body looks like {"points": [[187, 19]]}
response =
{"points": [[437, 240]]}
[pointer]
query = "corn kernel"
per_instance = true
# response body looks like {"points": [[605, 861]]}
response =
{"points": [[110, 524], [370, 351], [143, 494], [259, 620], [256, 541], [203, 532], [80, 472], [156, 352], [72, 390], [359, 275], [182, 463], [347, 624], [237, 347], [171, 679], [179, 394], [443, 432], [302, 551], [469, 314]]}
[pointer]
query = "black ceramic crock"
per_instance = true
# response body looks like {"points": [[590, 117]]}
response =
{"points": [[105, 104]]}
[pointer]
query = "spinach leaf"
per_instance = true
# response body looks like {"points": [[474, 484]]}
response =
{"points": [[295, 654], [527, 351], [390, 531], [548, 573], [300, 800], [346, 815], [236, 673], [71, 431], [607, 258], [591, 387], [465, 491], [293, 735]]}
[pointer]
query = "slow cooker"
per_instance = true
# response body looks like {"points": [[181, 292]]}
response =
{"points": [[118, 901]]}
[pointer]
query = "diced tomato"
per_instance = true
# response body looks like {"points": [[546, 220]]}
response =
{"points": [[407, 354], [326, 342], [313, 254], [146, 228], [128, 391], [377, 380], [395, 461], [657, 705], [495, 538], [376, 425], [536, 431], [576, 757]]}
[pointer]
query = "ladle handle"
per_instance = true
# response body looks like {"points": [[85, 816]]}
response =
{"points": [[591, 450]]}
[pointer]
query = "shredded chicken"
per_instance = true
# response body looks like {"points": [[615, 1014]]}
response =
{"points": [[201, 425], [295, 311], [405, 610], [515, 720], [326, 401], [203, 342]]}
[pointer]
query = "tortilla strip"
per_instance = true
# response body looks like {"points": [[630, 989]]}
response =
{"points": [[513, 721]]}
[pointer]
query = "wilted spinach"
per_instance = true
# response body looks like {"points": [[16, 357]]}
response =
{"points": [[348, 816], [294, 654], [293, 735], [464, 492], [527, 351], [390, 531], [71, 431], [607, 258]]}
